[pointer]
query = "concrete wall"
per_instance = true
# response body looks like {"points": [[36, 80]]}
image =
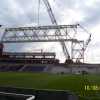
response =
{"points": [[59, 69], [76, 69]]}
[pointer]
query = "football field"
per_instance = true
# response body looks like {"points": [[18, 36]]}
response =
{"points": [[87, 86]]}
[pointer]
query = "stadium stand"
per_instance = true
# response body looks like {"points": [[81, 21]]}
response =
{"points": [[22, 68], [34, 68], [10, 68]]}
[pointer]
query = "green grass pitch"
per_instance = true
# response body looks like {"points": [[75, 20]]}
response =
{"points": [[72, 83]]}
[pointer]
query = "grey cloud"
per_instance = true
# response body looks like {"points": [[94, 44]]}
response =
{"points": [[7, 15], [91, 13]]}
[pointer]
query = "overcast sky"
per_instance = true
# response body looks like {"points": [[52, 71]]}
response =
{"points": [[85, 12]]}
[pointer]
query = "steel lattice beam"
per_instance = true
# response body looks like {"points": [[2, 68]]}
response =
{"points": [[38, 34], [49, 27]]}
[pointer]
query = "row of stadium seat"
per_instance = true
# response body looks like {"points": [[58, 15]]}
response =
{"points": [[25, 68], [10, 68], [34, 68]]}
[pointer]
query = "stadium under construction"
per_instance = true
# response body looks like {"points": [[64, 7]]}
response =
{"points": [[47, 61], [40, 75], [44, 61]]}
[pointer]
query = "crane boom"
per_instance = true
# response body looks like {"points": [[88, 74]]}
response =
{"points": [[53, 20], [50, 12]]}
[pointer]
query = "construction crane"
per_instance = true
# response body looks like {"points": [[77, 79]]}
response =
{"points": [[60, 34], [54, 22]]}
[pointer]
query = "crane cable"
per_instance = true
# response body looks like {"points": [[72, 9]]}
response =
{"points": [[84, 29], [38, 21]]}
